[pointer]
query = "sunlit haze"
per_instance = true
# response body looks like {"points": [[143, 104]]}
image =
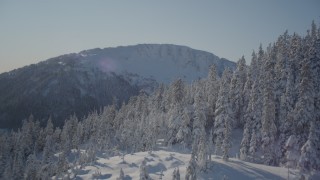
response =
{"points": [[35, 30]]}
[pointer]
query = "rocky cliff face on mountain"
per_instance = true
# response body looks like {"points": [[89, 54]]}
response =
{"points": [[82, 82]]}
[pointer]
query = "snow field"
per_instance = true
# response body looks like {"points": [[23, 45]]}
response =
{"points": [[167, 161]]}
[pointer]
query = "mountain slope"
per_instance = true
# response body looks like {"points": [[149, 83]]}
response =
{"points": [[81, 82], [164, 63]]}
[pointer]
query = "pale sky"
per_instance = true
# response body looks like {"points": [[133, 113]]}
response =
{"points": [[35, 30]]}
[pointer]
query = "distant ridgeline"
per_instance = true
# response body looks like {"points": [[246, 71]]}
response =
{"points": [[275, 101], [77, 84]]}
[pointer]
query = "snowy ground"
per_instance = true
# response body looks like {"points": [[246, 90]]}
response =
{"points": [[167, 161]]}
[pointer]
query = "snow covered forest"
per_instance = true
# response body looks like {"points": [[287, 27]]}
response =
{"points": [[275, 102]]}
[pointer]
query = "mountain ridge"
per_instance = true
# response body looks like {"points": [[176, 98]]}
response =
{"points": [[77, 83]]}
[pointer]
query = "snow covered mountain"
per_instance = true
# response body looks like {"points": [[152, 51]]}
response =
{"points": [[81, 82], [163, 63]]}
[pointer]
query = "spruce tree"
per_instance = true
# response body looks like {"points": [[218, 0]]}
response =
{"points": [[211, 92], [32, 167], [184, 134], [191, 173], [304, 110], [226, 144], [174, 177], [176, 174], [121, 176], [47, 154], [202, 154], [177, 90], [309, 160], [245, 142], [223, 110], [248, 111], [285, 115], [199, 133], [269, 130], [292, 152], [253, 113], [238, 81], [143, 172]]}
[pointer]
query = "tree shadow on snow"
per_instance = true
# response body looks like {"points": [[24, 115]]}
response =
{"points": [[123, 162], [96, 164], [260, 171], [156, 168], [127, 177], [153, 155], [149, 159], [103, 154], [133, 165], [245, 172], [177, 162], [82, 172], [78, 178], [105, 176]]}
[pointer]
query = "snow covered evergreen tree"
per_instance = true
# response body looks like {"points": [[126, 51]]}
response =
{"points": [[49, 130], [238, 81], [226, 144], [143, 171], [202, 155], [253, 146], [191, 173], [121, 176], [176, 174], [304, 109], [18, 164], [184, 133], [314, 55], [177, 90], [253, 113], [285, 114], [8, 172], [292, 152], [296, 58], [211, 93], [223, 110], [245, 142], [309, 160], [305, 117], [248, 111], [199, 146], [281, 72], [47, 151], [32, 166], [62, 165], [269, 130]]}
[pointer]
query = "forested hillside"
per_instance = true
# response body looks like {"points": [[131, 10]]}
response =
{"points": [[78, 83], [275, 101]]}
